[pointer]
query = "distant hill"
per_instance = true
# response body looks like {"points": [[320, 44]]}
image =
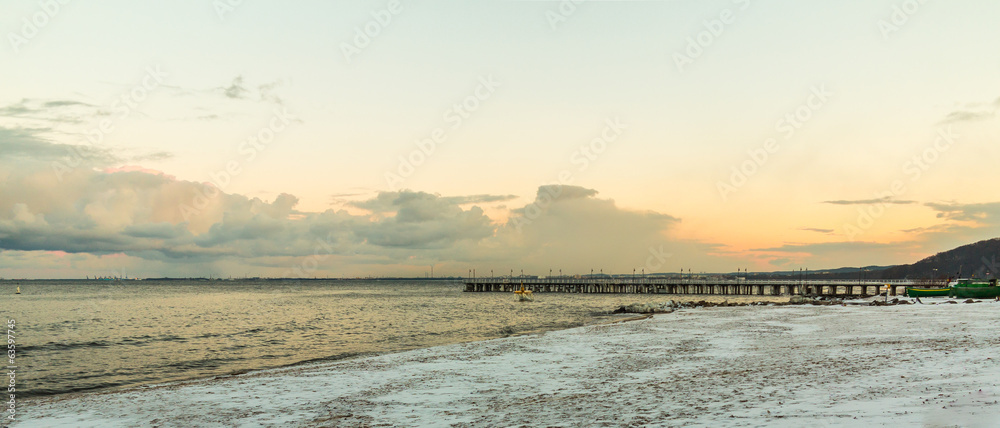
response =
{"points": [[838, 273], [974, 260], [977, 260]]}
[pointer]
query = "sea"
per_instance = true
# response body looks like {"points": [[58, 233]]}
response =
{"points": [[82, 336]]}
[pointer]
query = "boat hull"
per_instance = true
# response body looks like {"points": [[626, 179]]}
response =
{"points": [[927, 292], [976, 292]]}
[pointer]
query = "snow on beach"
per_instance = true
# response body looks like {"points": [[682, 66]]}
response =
{"points": [[912, 365]]}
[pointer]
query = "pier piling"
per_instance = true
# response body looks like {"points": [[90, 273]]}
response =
{"points": [[725, 287]]}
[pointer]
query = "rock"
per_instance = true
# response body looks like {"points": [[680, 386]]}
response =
{"points": [[799, 300], [645, 308], [969, 301]]}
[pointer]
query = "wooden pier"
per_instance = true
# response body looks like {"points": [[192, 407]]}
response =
{"points": [[722, 287]]}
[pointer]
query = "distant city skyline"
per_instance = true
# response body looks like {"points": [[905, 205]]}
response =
{"points": [[381, 138]]}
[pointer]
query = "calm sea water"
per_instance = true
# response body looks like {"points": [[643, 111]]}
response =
{"points": [[92, 335]]}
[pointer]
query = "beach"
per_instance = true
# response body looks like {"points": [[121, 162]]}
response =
{"points": [[745, 366], [83, 337]]}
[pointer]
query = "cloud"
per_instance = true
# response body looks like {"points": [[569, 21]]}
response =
{"points": [[421, 220], [817, 230], [960, 224], [159, 230], [836, 254], [969, 116], [137, 213], [237, 95], [885, 200], [267, 92], [426, 221], [130, 212], [342, 197], [984, 214], [563, 192], [569, 226], [152, 157], [392, 202], [824, 248], [65, 103], [479, 199], [828, 255], [103, 207], [57, 111], [973, 112], [236, 90], [28, 144]]}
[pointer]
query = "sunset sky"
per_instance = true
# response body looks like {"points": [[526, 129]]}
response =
{"points": [[197, 138]]}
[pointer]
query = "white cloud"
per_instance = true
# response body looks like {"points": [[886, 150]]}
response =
{"points": [[136, 213]]}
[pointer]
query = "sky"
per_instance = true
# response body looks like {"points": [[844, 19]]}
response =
{"points": [[333, 139]]}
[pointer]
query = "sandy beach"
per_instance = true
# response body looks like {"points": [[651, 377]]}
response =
{"points": [[907, 365]]}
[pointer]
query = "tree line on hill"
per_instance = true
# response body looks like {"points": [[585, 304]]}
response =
{"points": [[978, 260]]}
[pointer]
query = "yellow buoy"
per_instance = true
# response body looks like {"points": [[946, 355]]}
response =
{"points": [[522, 294]]}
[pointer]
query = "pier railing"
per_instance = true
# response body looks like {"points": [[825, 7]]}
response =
{"points": [[746, 287]]}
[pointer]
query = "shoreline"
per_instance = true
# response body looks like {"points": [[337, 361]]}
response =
{"points": [[596, 319], [87, 339], [729, 366]]}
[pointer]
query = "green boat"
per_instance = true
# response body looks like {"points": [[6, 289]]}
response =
{"points": [[927, 292], [972, 283], [967, 289]]}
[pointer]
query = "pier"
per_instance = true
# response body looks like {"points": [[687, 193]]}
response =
{"points": [[722, 287]]}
